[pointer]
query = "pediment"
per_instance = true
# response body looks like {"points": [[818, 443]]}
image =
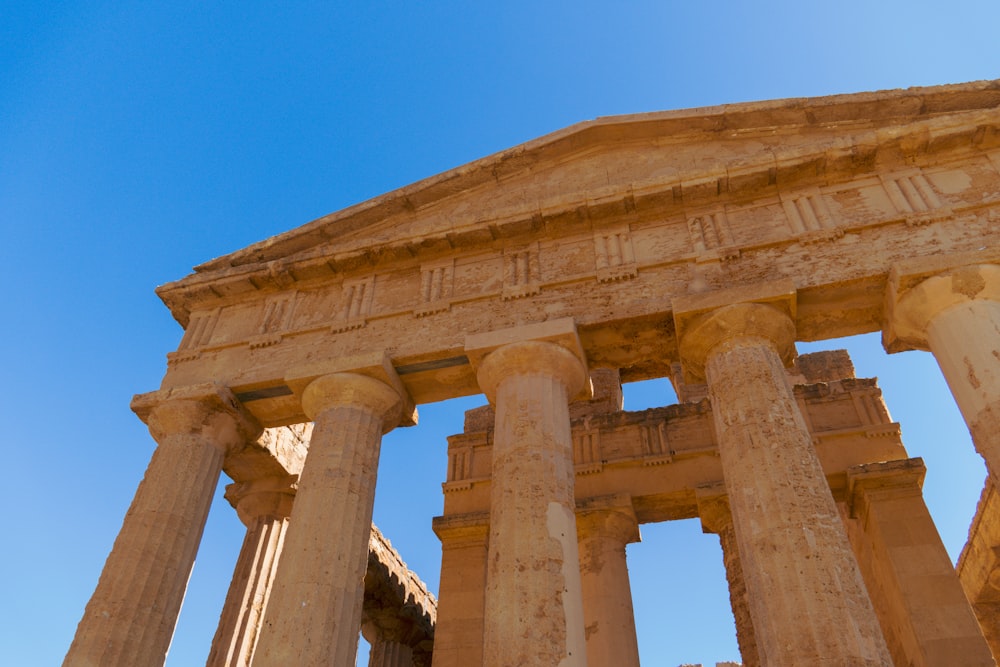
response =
{"points": [[596, 172]]}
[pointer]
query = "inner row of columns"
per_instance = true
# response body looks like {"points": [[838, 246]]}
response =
{"points": [[811, 583]]}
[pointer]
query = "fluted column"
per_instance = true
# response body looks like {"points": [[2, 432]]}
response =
{"points": [[130, 618], [956, 315], [388, 653], [264, 506], [713, 510], [928, 620], [807, 599], [604, 526], [534, 611], [313, 618]]}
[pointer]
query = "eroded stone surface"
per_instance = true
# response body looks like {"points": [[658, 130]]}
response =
{"points": [[611, 241]]}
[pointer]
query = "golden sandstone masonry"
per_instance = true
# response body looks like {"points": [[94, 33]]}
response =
{"points": [[697, 245]]}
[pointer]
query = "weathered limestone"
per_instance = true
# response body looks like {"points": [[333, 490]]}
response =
{"points": [[979, 565], [660, 456], [398, 608], [955, 313], [604, 526], [264, 506], [713, 510], [665, 456], [534, 612], [800, 573], [458, 637], [265, 477], [647, 246], [388, 653], [131, 616], [318, 589], [924, 612]]}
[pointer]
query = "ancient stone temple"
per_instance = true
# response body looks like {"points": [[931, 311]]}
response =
{"points": [[695, 245]]}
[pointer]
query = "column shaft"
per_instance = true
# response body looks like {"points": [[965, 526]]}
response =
{"points": [[386, 653], [239, 625], [130, 618], [928, 620], [807, 599], [738, 600], [716, 517], [458, 634], [534, 612], [965, 343], [314, 616], [264, 505], [956, 315], [607, 595]]}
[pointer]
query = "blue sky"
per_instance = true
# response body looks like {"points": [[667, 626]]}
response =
{"points": [[140, 139]]}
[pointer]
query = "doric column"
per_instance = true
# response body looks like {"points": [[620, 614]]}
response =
{"points": [[713, 510], [388, 653], [807, 600], [131, 616], [264, 506], [928, 620], [458, 635], [534, 612], [604, 526], [955, 314], [314, 615]]}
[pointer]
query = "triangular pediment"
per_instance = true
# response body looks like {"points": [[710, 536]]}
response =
{"points": [[596, 172], [618, 154]]}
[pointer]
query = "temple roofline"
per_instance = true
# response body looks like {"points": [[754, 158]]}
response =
{"points": [[744, 116]]}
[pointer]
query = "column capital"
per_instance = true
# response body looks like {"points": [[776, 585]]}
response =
{"points": [[919, 290], [367, 380], [611, 516], [462, 529], [888, 477], [265, 496], [705, 321], [209, 410], [551, 347], [713, 508]]}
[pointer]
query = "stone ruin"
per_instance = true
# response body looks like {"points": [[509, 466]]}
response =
{"points": [[696, 245]]}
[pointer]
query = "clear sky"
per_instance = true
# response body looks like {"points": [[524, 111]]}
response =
{"points": [[140, 139]]}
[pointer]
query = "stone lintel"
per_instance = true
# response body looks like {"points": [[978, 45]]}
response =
{"points": [[904, 475], [979, 563], [908, 274], [690, 311], [375, 365], [279, 451], [777, 293], [213, 395], [561, 332]]}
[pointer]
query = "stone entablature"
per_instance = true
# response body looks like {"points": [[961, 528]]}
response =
{"points": [[397, 603], [979, 564], [661, 455], [889, 177]]}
